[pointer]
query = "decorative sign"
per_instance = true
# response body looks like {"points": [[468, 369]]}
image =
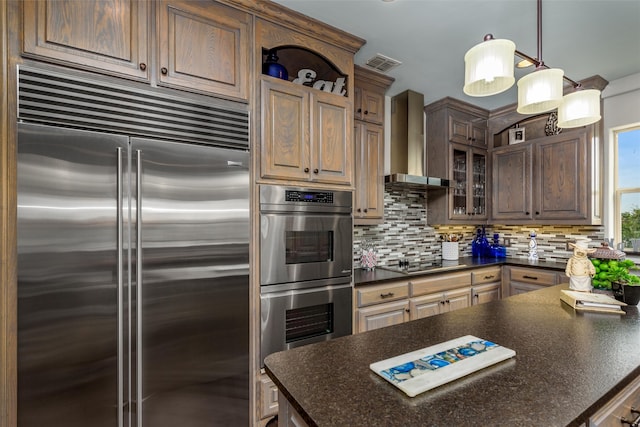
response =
{"points": [[516, 135], [551, 128], [307, 75]]}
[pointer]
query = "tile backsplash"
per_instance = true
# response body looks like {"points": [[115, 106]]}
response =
{"points": [[405, 233]]}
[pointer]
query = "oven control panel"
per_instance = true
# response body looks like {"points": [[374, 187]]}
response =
{"points": [[309, 196]]}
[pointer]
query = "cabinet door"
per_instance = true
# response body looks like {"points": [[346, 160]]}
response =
{"points": [[486, 293], [516, 288], [332, 149], [371, 106], [459, 200], [427, 305], [457, 299], [381, 315], [284, 141], [560, 178], [477, 185], [511, 189], [369, 173], [468, 176], [204, 46], [467, 129], [106, 35]]}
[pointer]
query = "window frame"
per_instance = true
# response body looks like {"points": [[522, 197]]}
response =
{"points": [[619, 192]]}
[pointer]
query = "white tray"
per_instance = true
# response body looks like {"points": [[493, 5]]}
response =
{"points": [[430, 367]]}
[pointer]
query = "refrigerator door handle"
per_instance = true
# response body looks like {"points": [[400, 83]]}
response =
{"points": [[119, 247], [139, 288]]}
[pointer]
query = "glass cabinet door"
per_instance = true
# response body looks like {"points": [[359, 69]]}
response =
{"points": [[478, 187], [459, 184]]}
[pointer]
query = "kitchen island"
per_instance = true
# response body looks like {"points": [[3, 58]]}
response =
{"points": [[568, 365]]}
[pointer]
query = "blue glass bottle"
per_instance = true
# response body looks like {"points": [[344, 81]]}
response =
{"points": [[272, 68]]}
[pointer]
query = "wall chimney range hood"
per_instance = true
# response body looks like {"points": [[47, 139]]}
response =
{"points": [[407, 144]]}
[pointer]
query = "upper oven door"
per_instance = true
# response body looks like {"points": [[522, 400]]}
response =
{"points": [[304, 246]]}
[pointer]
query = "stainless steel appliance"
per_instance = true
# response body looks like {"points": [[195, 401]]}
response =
{"points": [[306, 253], [132, 272]]}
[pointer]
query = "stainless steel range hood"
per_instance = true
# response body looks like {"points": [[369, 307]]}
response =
{"points": [[408, 145]]}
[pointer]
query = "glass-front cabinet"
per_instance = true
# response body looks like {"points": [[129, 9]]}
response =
{"points": [[468, 184]]}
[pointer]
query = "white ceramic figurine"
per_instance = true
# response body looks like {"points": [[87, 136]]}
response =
{"points": [[579, 269]]}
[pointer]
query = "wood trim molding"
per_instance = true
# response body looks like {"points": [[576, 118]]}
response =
{"points": [[283, 16]]}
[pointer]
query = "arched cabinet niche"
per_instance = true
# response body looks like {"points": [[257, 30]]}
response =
{"points": [[306, 120]]}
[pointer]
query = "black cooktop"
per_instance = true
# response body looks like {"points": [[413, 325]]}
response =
{"points": [[421, 266]]}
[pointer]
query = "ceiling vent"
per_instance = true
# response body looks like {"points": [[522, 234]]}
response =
{"points": [[383, 63]]}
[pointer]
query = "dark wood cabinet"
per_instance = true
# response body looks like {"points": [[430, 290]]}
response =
{"points": [[456, 150], [552, 180], [370, 88]]}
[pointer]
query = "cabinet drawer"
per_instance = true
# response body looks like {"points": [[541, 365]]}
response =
{"points": [[531, 275], [486, 275], [377, 294], [439, 283], [619, 407]]}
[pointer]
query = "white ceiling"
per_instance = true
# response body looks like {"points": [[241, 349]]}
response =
{"points": [[430, 37]]}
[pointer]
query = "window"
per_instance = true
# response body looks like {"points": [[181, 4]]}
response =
{"points": [[627, 188]]}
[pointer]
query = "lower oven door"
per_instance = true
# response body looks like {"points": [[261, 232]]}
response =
{"points": [[295, 317]]}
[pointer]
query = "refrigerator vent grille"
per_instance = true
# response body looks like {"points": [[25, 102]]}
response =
{"points": [[50, 97]]}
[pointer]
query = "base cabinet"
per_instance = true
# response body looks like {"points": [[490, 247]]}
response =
{"points": [[382, 315], [440, 302], [525, 279], [625, 406], [486, 285]]}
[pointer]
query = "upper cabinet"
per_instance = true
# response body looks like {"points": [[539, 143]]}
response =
{"points": [[457, 151], [202, 46], [370, 88], [553, 180], [547, 175], [306, 115], [108, 35]]}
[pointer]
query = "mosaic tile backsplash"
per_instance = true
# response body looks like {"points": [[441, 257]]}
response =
{"points": [[406, 235]]}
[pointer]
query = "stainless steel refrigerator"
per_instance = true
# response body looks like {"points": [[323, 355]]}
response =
{"points": [[132, 281]]}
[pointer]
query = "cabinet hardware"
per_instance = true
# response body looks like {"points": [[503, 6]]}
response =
{"points": [[359, 210], [366, 112], [537, 213], [407, 310], [489, 277], [143, 66], [387, 295], [306, 170], [476, 296], [448, 302], [635, 422], [366, 210], [526, 213], [315, 171], [442, 302], [164, 71], [359, 110], [530, 277]]}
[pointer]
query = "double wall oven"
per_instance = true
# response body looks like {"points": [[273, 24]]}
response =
{"points": [[305, 266]]}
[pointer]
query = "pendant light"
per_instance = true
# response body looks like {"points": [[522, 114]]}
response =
{"points": [[489, 67], [540, 91], [489, 71], [579, 108]]}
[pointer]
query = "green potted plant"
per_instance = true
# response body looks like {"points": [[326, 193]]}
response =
{"points": [[625, 286]]}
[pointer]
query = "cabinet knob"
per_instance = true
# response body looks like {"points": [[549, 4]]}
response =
{"points": [[306, 170], [407, 310], [537, 213], [475, 296], [315, 171], [366, 111], [143, 66], [526, 213], [359, 110], [164, 71], [366, 210], [442, 302], [448, 302], [359, 210]]}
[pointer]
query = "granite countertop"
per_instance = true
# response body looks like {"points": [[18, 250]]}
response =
{"points": [[567, 365], [382, 274]]}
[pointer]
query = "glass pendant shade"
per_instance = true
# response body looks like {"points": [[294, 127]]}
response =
{"points": [[489, 68], [540, 91], [579, 108]]}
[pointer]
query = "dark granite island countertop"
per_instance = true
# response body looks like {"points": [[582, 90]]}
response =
{"points": [[568, 365]]}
